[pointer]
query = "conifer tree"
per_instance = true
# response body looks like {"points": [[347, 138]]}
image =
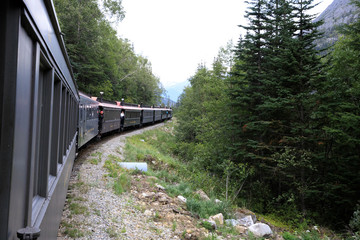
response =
{"points": [[272, 97]]}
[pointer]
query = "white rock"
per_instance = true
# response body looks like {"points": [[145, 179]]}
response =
{"points": [[147, 194], [218, 218], [202, 195], [148, 213], [213, 224], [159, 186], [240, 229], [232, 222], [246, 221], [260, 230], [181, 198], [218, 201]]}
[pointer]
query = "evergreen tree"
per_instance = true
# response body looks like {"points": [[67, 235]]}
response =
{"points": [[273, 103]]}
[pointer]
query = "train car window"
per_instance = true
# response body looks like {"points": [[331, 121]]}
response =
{"points": [[43, 144], [62, 125], [56, 119]]}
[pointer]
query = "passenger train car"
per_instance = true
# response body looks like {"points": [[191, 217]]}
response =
{"points": [[112, 116], [44, 119], [39, 112]]}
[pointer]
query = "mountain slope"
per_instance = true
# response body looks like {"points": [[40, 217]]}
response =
{"points": [[339, 12]]}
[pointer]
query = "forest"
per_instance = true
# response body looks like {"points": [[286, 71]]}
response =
{"points": [[275, 119], [278, 120], [101, 61]]}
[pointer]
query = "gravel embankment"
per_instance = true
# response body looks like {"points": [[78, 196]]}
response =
{"points": [[94, 211]]}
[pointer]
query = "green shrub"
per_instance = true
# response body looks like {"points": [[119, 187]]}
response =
{"points": [[122, 184], [182, 189], [205, 209], [289, 236], [207, 225], [355, 220]]}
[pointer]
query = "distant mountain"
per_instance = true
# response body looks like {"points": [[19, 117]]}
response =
{"points": [[339, 12], [174, 91], [166, 101]]}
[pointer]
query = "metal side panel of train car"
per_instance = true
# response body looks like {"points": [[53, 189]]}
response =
{"points": [[147, 116], [38, 116], [111, 119], [88, 120], [164, 114], [157, 116], [132, 117]]}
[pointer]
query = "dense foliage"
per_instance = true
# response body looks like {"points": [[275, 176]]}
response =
{"points": [[101, 61], [282, 126]]}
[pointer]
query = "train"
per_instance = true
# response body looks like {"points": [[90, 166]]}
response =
{"points": [[44, 120], [98, 117]]}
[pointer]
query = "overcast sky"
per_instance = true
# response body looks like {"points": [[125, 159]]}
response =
{"points": [[177, 35]]}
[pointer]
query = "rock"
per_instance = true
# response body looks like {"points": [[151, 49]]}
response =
{"points": [[147, 195], [240, 229], [243, 212], [163, 200], [218, 201], [159, 186], [260, 230], [279, 237], [218, 218], [213, 224], [187, 236], [202, 195], [232, 222], [246, 221], [181, 198], [148, 213]]}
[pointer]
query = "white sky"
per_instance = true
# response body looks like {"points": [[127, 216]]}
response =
{"points": [[177, 35]]}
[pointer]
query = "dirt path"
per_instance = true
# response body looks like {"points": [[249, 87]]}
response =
{"points": [[93, 211]]}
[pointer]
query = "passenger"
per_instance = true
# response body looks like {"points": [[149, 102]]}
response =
{"points": [[122, 117]]}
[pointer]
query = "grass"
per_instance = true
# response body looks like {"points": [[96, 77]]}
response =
{"points": [[155, 147], [174, 226], [72, 229], [122, 184], [77, 208], [111, 231], [97, 158], [205, 209], [122, 179]]}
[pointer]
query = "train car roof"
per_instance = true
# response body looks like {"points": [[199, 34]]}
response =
{"points": [[88, 98], [117, 105], [44, 16]]}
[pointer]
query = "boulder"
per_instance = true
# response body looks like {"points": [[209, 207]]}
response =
{"points": [[243, 212], [218, 218], [147, 195], [213, 224], [240, 229], [260, 230], [159, 186], [232, 222], [202, 195], [246, 221], [181, 198]]}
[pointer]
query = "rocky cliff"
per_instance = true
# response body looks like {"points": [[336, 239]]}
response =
{"points": [[339, 12]]}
